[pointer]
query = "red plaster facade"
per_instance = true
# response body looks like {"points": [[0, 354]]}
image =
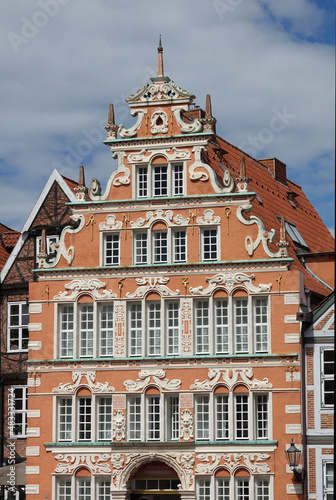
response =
{"points": [[166, 341]]}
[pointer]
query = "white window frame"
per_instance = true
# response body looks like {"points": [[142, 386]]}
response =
{"points": [[328, 493], [241, 416], [65, 419], [85, 330], [160, 242], [175, 179], [179, 250], [135, 332], [141, 248], [172, 407], [202, 417], [84, 419], [326, 377], [21, 412], [153, 327], [72, 485], [203, 251], [104, 418], [134, 417], [114, 257], [153, 417], [172, 328], [213, 493], [202, 326], [106, 330], [22, 326]]}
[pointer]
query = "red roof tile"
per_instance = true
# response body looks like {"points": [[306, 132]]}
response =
{"points": [[72, 184]]}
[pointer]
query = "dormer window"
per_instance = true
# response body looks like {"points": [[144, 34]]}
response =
{"points": [[53, 238], [294, 234], [155, 181]]}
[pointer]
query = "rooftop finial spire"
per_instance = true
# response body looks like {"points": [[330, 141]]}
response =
{"points": [[160, 59]]}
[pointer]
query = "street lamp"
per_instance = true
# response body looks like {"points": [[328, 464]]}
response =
{"points": [[293, 456]]}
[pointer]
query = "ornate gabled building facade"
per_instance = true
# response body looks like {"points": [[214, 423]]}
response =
{"points": [[166, 359], [48, 217]]}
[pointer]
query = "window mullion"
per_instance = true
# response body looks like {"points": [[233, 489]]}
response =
{"points": [[74, 423], [230, 324], [95, 352], [212, 328], [251, 344], [75, 331]]}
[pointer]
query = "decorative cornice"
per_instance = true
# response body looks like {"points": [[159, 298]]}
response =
{"points": [[158, 377], [253, 462], [70, 462], [152, 283], [70, 388], [230, 377], [159, 215], [88, 286], [228, 281]]}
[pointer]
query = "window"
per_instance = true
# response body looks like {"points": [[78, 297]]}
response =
{"points": [[262, 489], [106, 330], [86, 330], [230, 416], [18, 403], [202, 410], [66, 348], [65, 419], [84, 419], [75, 417], [179, 246], [327, 376], [153, 427], [160, 180], [202, 327], [160, 247], [135, 330], [241, 416], [260, 325], [222, 489], [111, 249], [209, 249], [222, 326], [241, 325], [173, 328], [154, 329], [203, 489], [82, 488], [134, 418], [239, 488], [50, 239], [104, 411], [18, 319], [328, 481], [173, 418], [294, 234], [242, 489], [140, 248]]}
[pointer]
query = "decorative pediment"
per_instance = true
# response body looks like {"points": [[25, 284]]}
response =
{"points": [[146, 155], [90, 376], [167, 91], [208, 218], [152, 283], [111, 223], [91, 286], [145, 378], [231, 376], [230, 281], [94, 461]]}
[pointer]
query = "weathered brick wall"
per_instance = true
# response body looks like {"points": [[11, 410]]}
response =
{"points": [[310, 410], [312, 470], [327, 421], [310, 365]]}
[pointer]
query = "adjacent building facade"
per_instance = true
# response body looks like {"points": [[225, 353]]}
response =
{"points": [[48, 216], [165, 346]]}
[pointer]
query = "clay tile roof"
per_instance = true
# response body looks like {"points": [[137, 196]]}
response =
{"points": [[8, 239], [277, 199], [3, 257], [71, 183]]}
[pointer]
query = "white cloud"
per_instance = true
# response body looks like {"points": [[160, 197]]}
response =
{"points": [[253, 59]]}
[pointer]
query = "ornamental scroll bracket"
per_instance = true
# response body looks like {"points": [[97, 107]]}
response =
{"points": [[230, 377], [158, 376], [120, 177], [90, 376], [254, 462], [110, 224], [90, 286], [126, 133], [265, 237], [186, 128], [70, 462], [159, 215], [152, 283], [200, 175], [177, 154], [60, 248], [230, 281], [166, 91]]}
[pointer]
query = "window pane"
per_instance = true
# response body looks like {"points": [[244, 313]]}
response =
{"points": [[177, 180], [260, 325], [173, 417], [134, 418], [135, 330], [209, 244], [202, 327], [241, 416], [160, 247], [222, 416], [65, 419], [153, 418], [106, 330], [262, 416], [86, 331], [18, 319], [222, 328], [140, 250], [202, 418], [160, 180], [142, 182], [111, 249], [66, 332], [104, 489], [173, 329], [223, 489], [104, 419], [179, 250], [243, 489], [203, 489], [241, 325], [84, 419], [154, 329], [84, 489], [64, 489]]}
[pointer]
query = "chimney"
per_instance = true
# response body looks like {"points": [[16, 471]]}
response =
{"points": [[277, 168]]}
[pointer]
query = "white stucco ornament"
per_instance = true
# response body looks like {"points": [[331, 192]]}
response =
{"points": [[159, 122], [145, 378], [230, 281], [200, 171], [230, 377], [96, 388]]}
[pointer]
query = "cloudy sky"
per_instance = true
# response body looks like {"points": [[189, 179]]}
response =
{"points": [[63, 62]]}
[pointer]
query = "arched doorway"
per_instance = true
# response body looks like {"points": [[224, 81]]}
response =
{"points": [[155, 481]]}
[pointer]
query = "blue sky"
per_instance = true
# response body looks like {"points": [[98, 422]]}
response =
{"points": [[64, 61]]}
